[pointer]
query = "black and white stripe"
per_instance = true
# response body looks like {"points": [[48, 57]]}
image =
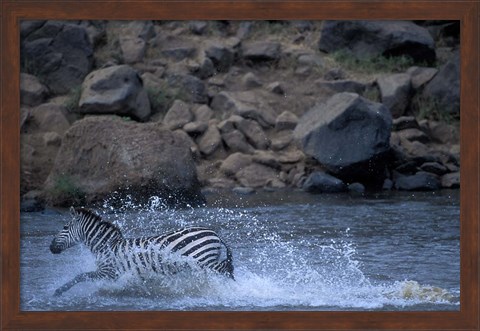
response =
{"points": [[165, 254]]}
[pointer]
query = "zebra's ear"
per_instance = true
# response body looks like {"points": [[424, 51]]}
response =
{"points": [[72, 211]]}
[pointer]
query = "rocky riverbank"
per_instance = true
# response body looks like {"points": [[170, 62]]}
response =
{"points": [[171, 109]]}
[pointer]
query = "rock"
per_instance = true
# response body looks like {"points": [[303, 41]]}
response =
{"points": [[281, 140], [133, 49], [387, 184], [444, 88], [198, 27], [103, 155], [356, 188], [276, 87], [367, 39], [395, 91], [234, 163], [320, 182], [421, 181], [421, 76], [47, 117], [244, 29], [243, 190], [115, 90], [210, 140], [250, 81], [407, 168], [267, 158], [286, 121], [52, 139], [32, 92], [310, 60], [143, 29], [254, 134], [192, 88], [230, 123], [236, 142], [175, 48], [255, 175], [37, 155], [195, 128], [292, 156], [203, 113], [443, 133], [203, 68], [404, 122], [434, 168], [32, 202], [337, 86], [451, 180], [334, 74], [60, 52], [413, 135], [221, 55], [178, 115], [261, 51], [248, 104], [348, 134]]}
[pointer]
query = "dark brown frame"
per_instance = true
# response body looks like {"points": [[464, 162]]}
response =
{"points": [[13, 11]]}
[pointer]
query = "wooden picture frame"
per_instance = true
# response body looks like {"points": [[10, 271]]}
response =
{"points": [[12, 12]]}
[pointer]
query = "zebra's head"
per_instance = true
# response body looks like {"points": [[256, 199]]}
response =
{"points": [[70, 234]]}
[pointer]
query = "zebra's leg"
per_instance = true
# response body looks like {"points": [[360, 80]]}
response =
{"points": [[85, 277]]}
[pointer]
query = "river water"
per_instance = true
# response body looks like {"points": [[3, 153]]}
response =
{"points": [[292, 251]]}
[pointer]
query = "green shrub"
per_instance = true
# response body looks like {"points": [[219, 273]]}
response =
{"points": [[372, 65], [161, 99], [429, 108], [73, 98], [65, 190]]}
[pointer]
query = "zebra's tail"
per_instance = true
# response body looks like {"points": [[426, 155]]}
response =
{"points": [[226, 266], [229, 264]]}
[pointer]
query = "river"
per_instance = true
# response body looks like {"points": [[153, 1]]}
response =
{"points": [[292, 251]]}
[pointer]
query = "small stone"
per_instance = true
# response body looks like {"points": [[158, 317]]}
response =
{"points": [[404, 122], [178, 115], [236, 142], [276, 87], [356, 188], [451, 180], [194, 128], [210, 140], [434, 167], [250, 80], [286, 121], [243, 190], [234, 163]]}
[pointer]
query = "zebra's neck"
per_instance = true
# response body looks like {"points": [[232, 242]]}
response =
{"points": [[100, 236]]}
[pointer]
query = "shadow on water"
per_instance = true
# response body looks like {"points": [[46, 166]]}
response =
{"points": [[292, 251]]}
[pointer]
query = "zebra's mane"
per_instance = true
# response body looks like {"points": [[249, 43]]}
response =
{"points": [[98, 218]]}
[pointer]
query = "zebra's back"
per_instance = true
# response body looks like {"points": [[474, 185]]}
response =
{"points": [[168, 252]]}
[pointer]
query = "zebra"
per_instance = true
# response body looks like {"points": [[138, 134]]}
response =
{"points": [[116, 255]]}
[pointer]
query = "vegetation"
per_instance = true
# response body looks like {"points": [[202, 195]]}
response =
{"points": [[429, 108], [73, 98], [161, 99], [64, 189], [372, 65]]}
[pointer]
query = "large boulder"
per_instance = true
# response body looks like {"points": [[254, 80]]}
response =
{"points": [[60, 52], [366, 39], [444, 89], [105, 156], [347, 134], [42, 131], [115, 90]]}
